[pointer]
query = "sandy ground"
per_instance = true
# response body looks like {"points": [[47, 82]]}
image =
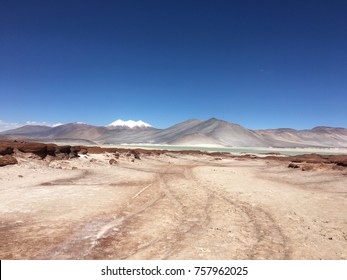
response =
{"points": [[171, 207]]}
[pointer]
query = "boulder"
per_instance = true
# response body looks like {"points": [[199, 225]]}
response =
{"points": [[136, 154], [73, 154], [340, 160], [7, 160], [95, 150], [35, 148], [83, 151], [342, 163], [80, 149], [51, 149], [293, 165], [5, 149], [64, 149]]}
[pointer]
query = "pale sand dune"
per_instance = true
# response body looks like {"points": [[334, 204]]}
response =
{"points": [[171, 206]]}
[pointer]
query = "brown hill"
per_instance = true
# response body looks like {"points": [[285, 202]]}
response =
{"points": [[191, 132]]}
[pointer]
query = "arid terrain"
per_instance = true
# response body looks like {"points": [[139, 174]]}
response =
{"points": [[172, 205]]}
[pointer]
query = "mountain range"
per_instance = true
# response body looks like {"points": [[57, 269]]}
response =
{"points": [[191, 132]]}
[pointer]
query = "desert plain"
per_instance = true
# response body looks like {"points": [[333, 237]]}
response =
{"points": [[172, 205]]}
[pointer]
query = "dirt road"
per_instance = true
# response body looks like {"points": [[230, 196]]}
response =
{"points": [[171, 207]]}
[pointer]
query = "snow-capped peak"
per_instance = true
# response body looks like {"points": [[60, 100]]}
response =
{"points": [[130, 123]]}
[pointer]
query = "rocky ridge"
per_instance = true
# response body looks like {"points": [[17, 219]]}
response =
{"points": [[10, 150]]}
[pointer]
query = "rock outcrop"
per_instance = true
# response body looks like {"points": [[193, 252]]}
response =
{"points": [[5, 149], [34, 148], [314, 162], [7, 160], [56, 152], [40, 150]]}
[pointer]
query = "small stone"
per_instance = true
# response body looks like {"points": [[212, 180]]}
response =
{"points": [[112, 161], [292, 165]]}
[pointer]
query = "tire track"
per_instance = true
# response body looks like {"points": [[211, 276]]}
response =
{"points": [[178, 214], [196, 207], [270, 242]]}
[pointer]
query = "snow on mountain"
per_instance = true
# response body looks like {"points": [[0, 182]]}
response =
{"points": [[130, 124]]}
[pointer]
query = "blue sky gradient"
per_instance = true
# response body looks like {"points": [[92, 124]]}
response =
{"points": [[261, 64]]}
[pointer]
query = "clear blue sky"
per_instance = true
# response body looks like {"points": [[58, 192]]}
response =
{"points": [[262, 64]]}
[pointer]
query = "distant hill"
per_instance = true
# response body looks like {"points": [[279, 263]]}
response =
{"points": [[213, 131], [316, 137], [190, 132]]}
